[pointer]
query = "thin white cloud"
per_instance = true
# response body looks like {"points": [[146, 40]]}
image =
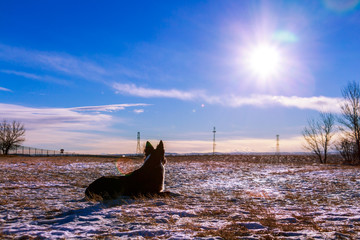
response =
{"points": [[132, 89], [23, 74], [18, 111], [69, 128], [36, 77], [318, 103], [58, 118], [108, 108], [64, 64], [67, 119], [138, 111], [5, 89]]}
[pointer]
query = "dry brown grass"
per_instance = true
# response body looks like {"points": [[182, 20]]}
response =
{"points": [[231, 231], [213, 213], [305, 192]]}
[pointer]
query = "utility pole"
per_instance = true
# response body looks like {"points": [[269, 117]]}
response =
{"points": [[277, 144], [138, 148], [214, 131]]}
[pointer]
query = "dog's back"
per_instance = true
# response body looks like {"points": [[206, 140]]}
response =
{"points": [[106, 187]]}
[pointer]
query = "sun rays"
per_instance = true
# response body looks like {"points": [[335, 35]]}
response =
{"points": [[264, 61]]}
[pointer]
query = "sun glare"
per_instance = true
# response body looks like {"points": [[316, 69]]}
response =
{"points": [[264, 61]]}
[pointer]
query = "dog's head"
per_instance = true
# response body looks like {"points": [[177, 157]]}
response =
{"points": [[154, 156]]}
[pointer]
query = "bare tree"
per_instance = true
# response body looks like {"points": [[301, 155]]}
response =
{"points": [[11, 134], [350, 118], [347, 149], [318, 135]]}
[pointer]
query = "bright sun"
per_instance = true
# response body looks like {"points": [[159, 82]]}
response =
{"points": [[264, 61]]}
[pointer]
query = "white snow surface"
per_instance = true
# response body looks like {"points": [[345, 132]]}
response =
{"points": [[220, 197]]}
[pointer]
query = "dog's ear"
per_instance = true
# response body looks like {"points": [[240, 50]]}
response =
{"points": [[160, 148], [148, 149]]}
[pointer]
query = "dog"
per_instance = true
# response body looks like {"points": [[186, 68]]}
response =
{"points": [[148, 180]]}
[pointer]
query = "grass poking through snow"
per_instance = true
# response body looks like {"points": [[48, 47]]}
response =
{"points": [[229, 197]]}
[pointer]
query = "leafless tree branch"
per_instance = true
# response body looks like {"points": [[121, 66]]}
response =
{"points": [[318, 135], [11, 134], [350, 119]]}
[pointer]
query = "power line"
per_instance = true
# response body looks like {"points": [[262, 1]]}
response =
{"points": [[278, 144], [214, 131], [138, 148]]}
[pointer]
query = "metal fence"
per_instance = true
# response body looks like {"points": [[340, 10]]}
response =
{"points": [[30, 151]]}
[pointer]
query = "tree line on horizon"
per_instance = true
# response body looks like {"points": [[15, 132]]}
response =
{"points": [[340, 132]]}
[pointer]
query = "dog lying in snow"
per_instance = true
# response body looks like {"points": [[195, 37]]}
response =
{"points": [[145, 181]]}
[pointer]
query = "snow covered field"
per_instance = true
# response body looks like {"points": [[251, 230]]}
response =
{"points": [[230, 197]]}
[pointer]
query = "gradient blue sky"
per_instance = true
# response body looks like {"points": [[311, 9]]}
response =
{"points": [[86, 76]]}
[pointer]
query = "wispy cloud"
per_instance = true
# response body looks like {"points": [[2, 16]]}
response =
{"points": [[138, 111], [132, 89], [5, 89], [64, 64], [69, 118], [318, 103], [56, 62], [59, 118], [60, 126], [36, 77], [109, 108]]}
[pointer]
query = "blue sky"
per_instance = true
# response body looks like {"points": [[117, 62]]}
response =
{"points": [[86, 76]]}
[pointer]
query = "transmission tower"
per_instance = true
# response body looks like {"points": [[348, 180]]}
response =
{"points": [[138, 148], [214, 131], [277, 144]]}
